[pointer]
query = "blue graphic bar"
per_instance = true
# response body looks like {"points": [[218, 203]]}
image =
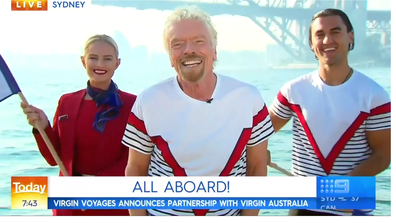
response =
{"points": [[342, 186], [210, 203]]}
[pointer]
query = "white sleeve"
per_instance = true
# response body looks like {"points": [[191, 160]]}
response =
{"points": [[262, 128], [135, 135], [380, 112], [281, 106]]}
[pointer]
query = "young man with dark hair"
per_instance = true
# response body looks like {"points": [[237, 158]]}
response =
{"points": [[341, 117]]}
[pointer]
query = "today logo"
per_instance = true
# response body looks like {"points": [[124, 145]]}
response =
{"points": [[36, 185], [28, 188], [29, 192]]}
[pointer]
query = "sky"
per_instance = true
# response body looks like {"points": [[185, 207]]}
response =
{"points": [[66, 31]]}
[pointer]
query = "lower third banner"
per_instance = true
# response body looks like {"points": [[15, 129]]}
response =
{"points": [[210, 203]]}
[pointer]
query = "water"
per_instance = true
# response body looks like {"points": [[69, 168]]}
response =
{"points": [[19, 155]]}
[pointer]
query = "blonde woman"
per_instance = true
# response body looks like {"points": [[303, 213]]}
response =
{"points": [[89, 124]]}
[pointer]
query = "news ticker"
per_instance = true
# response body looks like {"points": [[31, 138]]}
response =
{"points": [[193, 192], [211, 203]]}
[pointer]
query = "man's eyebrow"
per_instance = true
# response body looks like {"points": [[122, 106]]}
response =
{"points": [[336, 29], [94, 55]]}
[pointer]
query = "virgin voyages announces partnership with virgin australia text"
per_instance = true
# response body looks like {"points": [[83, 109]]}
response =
{"points": [[180, 186], [179, 203]]}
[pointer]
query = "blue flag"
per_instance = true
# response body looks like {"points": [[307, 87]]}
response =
{"points": [[8, 85]]}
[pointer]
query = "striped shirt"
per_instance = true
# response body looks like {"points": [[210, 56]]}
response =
{"points": [[330, 122], [187, 137]]}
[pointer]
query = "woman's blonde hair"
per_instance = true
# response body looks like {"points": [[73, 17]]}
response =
{"points": [[104, 38], [189, 12]]}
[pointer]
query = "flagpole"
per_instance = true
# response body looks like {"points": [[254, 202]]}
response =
{"points": [[47, 141], [280, 169], [275, 166]]}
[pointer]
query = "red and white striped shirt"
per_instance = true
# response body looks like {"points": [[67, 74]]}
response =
{"points": [[188, 137], [330, 122]]}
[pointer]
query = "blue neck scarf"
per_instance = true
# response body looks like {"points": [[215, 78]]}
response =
{"points": [[108, 104]]}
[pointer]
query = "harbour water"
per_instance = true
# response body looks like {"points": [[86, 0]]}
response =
{"points": [[19, 155]]}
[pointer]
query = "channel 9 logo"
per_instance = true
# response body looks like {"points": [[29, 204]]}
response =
{"points": [[334, 186], [29, 192], [29, 5]]}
